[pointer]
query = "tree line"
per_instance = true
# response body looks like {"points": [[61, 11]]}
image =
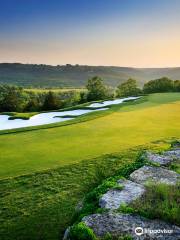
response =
{"points": [[16, 99]]}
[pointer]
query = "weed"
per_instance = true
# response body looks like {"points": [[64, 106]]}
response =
{"points": [[81, 232], [159, 201]]}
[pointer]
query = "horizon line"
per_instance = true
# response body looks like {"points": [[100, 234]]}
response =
{"points": [[91, 65]]}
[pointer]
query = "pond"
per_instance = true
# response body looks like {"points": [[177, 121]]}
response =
{"points": [[54, 117]]}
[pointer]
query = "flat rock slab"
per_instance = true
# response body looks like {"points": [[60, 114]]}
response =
{"points": [[160, 159], [173, 153], [122, 224], [115, 197], [154, 174]]}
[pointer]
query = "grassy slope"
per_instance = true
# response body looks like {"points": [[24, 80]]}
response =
{"points": [[129, 126], [41, 205]]}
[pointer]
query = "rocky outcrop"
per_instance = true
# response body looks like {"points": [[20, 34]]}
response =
{"points": [[118, 224], [115, 197], [173, 153], [126, 191], [159, 159], [147, 174], [164, 159]]}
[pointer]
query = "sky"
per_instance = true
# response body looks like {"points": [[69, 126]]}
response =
{"points": [[134, 33]]}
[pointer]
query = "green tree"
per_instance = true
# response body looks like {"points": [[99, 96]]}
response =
{"points": [[12, 99], [177, 85], [96, 89], [51, 101], [32, 105], [71, 98], [163, 84], [128, 88]]}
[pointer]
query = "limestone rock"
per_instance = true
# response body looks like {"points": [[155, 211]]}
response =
{"points": [[121, 224], [175, 154], [154, 174], [160, 159], [114, 197]]}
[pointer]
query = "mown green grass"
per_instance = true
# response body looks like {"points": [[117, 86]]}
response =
{"points": [[16, 115], [122, 127], [41, 205]]}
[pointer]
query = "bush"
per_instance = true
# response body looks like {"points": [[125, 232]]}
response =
{"points": [[12, 99], [51, 102], [128, 88], [81, 232], [159, 85]]}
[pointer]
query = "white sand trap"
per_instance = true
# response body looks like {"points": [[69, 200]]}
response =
{"points": [[54, 117], [41, 119], [111, 102]]}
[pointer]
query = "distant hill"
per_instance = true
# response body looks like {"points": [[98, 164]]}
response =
{"points": [[76, 75]]}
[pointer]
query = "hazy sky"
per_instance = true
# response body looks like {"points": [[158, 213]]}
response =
{"points": [[139, 33]]}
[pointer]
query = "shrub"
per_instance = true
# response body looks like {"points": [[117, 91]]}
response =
{"points": [[12, 99], [51, 101], [124, 208], [81, 232], [159, 85]]}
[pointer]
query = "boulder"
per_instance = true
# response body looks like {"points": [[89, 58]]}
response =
{"points": [[175, 154], [154, 174], [115, 197], [118, 224], [160, 159]]}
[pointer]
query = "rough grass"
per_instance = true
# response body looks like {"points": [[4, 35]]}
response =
{"points": [[121, 128], [160, 201], [91, 200], [41, 205], [175, 166]]}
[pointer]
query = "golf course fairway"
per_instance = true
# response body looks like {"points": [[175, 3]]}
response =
{"points": [[129, 126]]}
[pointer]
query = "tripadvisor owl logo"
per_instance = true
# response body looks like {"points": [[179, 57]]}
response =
{"points": [[139, 231]]}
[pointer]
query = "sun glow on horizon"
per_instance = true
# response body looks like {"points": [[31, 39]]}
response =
{"points": [[125, 33]]}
